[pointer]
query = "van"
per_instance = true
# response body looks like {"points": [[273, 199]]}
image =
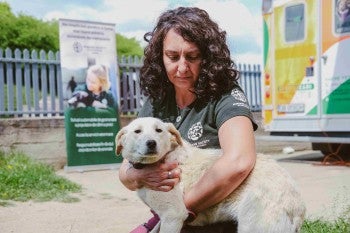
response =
{"points": [[306, 75]]}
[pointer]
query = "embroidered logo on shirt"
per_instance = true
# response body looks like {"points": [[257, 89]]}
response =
{"points": [[239, 95], [195, 132]]}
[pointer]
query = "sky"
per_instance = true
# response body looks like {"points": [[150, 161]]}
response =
{"points": [[241, 19]]}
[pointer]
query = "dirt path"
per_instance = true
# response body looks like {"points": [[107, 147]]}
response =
{"points": [[106, 206]]}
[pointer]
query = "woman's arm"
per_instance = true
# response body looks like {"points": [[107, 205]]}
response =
{"points": [[152, 176], [228, 172]]}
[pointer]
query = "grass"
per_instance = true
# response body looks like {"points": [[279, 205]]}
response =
{"points": [[341, 225], [23, 179]]}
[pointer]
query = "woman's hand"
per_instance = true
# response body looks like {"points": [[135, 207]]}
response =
{"points": [[158, 177]]}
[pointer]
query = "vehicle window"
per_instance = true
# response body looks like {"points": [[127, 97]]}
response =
{"points": [[267, 6], [342, 16], [295, 23]]}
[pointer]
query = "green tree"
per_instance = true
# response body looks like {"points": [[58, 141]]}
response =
{"points": [[26, 32], [6, 24], [128, 46], [35, 34]]}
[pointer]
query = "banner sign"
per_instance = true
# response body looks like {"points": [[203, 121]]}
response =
{"points": [[91, 87]]}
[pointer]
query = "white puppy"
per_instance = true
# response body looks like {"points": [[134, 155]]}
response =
{"points": [[266, 202]]}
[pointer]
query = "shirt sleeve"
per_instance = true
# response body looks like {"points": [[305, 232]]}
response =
{"points": [[231, 105]]}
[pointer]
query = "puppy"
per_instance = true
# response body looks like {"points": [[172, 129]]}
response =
{"points": [[80, 99], [266, 202]]}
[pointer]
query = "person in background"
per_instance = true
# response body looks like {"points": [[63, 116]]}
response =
{"points": [[72, 84], [95, 91], [191, 81]]}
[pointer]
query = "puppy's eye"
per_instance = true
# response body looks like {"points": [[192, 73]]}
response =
{"points": [[159, 130], [137, 131]]}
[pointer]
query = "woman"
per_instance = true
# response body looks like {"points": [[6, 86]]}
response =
{"points": [[95, 92], [191, 81]]}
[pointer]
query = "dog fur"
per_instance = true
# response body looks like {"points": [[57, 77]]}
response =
{"points": [[266, 202], [80, 99]]}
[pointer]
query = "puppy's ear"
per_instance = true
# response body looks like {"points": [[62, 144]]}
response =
{"points": [[174, 132], [118, 141]]}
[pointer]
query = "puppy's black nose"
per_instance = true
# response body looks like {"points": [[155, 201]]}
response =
{"points": [[151, 144]]}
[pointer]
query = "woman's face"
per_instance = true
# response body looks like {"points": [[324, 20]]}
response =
{"points": [[93, 83], [182, 61]]}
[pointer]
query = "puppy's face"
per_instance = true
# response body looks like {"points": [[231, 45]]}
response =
{"points": [[146, 140]]}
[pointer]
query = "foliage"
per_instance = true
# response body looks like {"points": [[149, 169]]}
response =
{"points": [[23, 179], [36, 34], [24, 31], [341, 225], [128, 46], [6, 24]]}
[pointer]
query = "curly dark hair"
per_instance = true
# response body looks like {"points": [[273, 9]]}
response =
{"points": [[218, 73]]}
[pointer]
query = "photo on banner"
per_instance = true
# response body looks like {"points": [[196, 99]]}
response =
{"points": [[90, 89]]}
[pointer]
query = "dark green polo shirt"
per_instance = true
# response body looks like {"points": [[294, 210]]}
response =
{"points": [[199, 122]]}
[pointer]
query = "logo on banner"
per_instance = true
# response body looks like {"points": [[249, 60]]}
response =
{"points": [[77, 47]]}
